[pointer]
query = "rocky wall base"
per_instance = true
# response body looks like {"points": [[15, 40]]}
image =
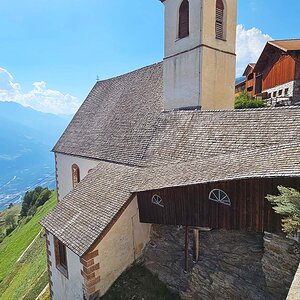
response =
{"points": [[232, 265]]}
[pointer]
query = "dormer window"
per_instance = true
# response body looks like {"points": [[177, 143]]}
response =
{"points": [[184, 19], [220, 20], [75, 175]]}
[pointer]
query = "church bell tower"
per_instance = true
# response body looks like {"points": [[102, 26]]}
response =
{"points": [[199, 55]]}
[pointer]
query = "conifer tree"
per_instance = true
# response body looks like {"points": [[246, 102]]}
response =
{"points": [[287, 204]]}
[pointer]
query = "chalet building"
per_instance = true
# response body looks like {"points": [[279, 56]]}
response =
{"points": [[276, 75], [250, 81], [240, 86], [163, 145]]}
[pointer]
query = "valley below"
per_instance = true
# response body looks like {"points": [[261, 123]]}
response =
{"points": [[26, 161]]}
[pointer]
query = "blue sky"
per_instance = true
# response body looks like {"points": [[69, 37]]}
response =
{"points": [[60, 46]]}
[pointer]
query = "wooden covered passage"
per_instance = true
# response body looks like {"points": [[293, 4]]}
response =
{"points": [[232, 205], [245, 207]]}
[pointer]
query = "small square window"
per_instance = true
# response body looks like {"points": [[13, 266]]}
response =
{"points": [[280, 93], [286, 91], [269, 95], [61, 257], [274, 94]]}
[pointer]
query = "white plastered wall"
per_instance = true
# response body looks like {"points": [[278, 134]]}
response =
{"points": [[121, 246], [64, 171], [63, 288], [199, 70], [182, 80]]}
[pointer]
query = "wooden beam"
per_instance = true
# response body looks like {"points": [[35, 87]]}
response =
{"points": [[196, 245], [186, 269]]}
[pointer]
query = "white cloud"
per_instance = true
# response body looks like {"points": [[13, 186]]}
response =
{"points": [[39, 98], [250, 43]]}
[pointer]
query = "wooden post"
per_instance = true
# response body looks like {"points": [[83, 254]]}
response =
{"points": [[186, 249], [196, 245]]}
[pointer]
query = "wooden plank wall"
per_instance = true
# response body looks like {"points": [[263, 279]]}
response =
{"points": [[249, 210], [280, 72]]}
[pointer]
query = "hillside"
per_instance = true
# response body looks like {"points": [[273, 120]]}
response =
{"points": [[24, 274], [14, 211], [27, 137]]}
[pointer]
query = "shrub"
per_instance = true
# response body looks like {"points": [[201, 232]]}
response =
{"points": [[287, 204], [9, 230], [244, 101], [10, 220], [27, 219]]}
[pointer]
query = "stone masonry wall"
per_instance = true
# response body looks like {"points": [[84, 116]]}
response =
{"points": [[280, 262], [232, 265]]}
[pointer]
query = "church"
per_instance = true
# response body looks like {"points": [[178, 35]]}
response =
{"points": [[164, 145]]}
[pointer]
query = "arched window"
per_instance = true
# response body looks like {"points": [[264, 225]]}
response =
{"points": [[184, 17], [219, 196], [75, 175], [220, 20]]}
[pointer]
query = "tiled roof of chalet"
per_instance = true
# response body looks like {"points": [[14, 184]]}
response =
{"points": [[116, 121], [287, 45], [97, 201]]}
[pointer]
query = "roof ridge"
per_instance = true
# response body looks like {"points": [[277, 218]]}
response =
{"points": [[290, 107], [294, 39], [128, 73]]}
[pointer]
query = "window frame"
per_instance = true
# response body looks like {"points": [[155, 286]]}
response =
{"points": [[61, 257], [220, 23], [75, 175], [183, 20]]}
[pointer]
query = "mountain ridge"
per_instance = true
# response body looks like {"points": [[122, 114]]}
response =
{"points": [[27, 137]]}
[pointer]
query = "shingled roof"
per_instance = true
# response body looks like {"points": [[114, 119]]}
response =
{"points": [[139, 147], [92, 207], [116, 121], [185, 136], [273, 161], [80, 218]]}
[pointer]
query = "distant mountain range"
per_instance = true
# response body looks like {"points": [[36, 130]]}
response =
{"points": [[26, 139], [240, 79]]}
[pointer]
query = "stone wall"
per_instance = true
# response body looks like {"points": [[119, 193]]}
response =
{"points": [[232, 265], [280, 262]]}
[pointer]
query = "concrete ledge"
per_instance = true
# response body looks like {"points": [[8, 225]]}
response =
{"points": [[294, 293]]}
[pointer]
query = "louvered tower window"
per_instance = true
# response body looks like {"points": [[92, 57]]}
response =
{"points": [[183, 19], [220, 20]]}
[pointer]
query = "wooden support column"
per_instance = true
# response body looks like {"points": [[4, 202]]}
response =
{"points": [[186, 269], [196, 245]]}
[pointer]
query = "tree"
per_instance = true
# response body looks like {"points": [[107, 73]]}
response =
{"points": [[10, 221], [34, 199], [43, 197], [245, 101], [287, 204]]}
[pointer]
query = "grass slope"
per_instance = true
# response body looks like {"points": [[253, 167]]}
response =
{"points": [[139, 283], [28, 276], [14, 211]]}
